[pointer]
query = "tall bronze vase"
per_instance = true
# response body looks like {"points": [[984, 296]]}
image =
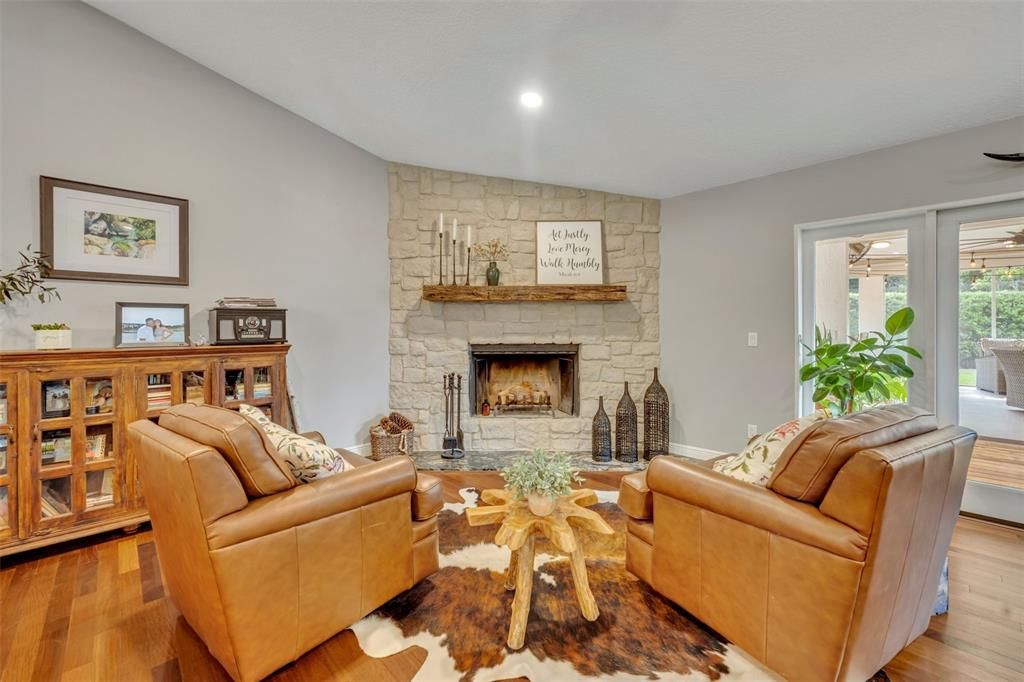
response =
{"points": [[601, 447], [625, 428], [655, 419]]}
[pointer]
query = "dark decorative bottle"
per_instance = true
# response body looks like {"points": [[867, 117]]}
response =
{"points": [[625, 428], [485, 409], [656, 426], [602, 434]]}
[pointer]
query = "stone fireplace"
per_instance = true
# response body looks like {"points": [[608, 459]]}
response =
{"points": [[539, 379], [613, 342]]}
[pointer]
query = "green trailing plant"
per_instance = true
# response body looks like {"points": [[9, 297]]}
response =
{"points": [[50, 326], [863, 372], [27, 278], [542, 473]]}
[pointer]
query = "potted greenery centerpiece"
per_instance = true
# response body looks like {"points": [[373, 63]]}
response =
{"points": [[540, 478], [52, 336], [862, 372], [491, 251]]}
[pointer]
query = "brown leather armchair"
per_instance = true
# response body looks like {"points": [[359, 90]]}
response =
{"points": [[264, 568], [831, 570]]}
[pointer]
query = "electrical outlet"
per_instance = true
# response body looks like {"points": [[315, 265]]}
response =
{"points": [[751, 430], [752, 339]]}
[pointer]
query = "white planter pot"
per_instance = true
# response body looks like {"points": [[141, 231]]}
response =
{"points": [[541, 505], [53, 339]]}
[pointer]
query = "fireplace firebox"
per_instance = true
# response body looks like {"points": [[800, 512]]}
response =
{"points": [[524, 379]]}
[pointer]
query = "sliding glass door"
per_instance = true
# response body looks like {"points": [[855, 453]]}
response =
{"points": [[980, 348]]}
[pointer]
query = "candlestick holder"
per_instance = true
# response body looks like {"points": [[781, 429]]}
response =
{"points": [[453, 260], [467, 264], [440, 258]]}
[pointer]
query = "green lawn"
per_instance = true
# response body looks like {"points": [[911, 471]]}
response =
{"points": [[968, 377]]}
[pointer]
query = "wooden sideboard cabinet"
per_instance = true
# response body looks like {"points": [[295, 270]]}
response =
{"points": [[66, 469]]}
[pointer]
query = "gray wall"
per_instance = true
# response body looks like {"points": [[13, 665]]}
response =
{"points": [[729, 268], [278, 206]]}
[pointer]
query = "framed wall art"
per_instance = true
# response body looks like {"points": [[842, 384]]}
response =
{"points": [[151, 324], [105, 234], [570, 252]]}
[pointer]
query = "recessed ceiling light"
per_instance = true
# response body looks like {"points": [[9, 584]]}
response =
{"points": [[531, 99], [881, 245]]}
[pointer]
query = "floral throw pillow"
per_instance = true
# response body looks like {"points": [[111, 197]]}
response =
{"points": [[308, 459], [756, 462]]}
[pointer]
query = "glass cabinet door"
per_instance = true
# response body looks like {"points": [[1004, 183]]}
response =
{"points": [[76, 452], [8, 457], [255, 381]]}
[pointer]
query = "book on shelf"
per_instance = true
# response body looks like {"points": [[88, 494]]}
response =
{"points": [[51, 503], [98, 499], [55, 450], [158, 396], [261, 390], [96, 446]]}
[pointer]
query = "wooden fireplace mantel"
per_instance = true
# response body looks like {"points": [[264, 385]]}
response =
{"points": [[537, 293]]}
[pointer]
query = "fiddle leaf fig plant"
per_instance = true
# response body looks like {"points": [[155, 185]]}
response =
{"points": [[27, 278], [863, 372], [541, 473]]}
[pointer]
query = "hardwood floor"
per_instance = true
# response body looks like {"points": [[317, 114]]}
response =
{"points": [[998, 462], [98, 611]]}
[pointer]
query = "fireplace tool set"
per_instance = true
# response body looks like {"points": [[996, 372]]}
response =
{"points": [[453, 446]]}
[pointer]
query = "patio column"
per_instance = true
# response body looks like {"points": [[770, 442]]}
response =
{"points": [[871, 304], [832, 288], [992, 309]]}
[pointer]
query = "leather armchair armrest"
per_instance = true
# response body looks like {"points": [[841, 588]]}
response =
{"points": [[635, 497], [315, 435], [352, 458], [754, 505], [319, 499], [426, 498]]}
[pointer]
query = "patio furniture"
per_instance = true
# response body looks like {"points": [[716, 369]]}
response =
{"points": [[990, 375], [1012, 360]]}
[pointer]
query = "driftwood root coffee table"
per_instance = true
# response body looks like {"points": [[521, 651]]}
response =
{"points": [[519, 527]]}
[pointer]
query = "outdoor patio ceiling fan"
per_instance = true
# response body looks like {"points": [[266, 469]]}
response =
{"points": [[1011, 240], [857, 251]]}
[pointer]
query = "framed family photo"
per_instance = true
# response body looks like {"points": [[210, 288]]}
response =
{"points": [[151, 324], [570, 252], [106, 234]]}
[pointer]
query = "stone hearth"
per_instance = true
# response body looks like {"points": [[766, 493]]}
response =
{"points": [[617, 341]]}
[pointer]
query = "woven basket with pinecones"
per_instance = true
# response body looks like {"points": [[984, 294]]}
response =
{"points": [[392, 436]]}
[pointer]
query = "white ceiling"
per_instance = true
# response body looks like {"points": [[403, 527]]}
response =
{"points": [[647, 98]]}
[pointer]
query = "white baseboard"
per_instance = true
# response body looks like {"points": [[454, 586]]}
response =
{"points": [[363, 449], [693, 451]]}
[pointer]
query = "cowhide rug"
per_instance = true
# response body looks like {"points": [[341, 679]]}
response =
{"points": [[460, 617]]}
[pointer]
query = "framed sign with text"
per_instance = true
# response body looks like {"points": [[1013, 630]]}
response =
{"points": [[570, 252]]}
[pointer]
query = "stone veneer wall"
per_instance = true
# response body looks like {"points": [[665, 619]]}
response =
{"points": [[618, 341]]}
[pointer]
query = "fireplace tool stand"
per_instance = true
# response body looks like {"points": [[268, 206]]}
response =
{"points": [[453, 446]]}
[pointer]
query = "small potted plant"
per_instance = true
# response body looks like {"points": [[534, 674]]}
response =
{"points": [[541, 478], [492, 251], [52, 336]]}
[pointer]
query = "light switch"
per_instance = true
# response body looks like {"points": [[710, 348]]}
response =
{"points": [[752, 339], [751, 430]]}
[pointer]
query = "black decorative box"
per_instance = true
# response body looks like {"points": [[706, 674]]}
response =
{"points": [[229, 326]]}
